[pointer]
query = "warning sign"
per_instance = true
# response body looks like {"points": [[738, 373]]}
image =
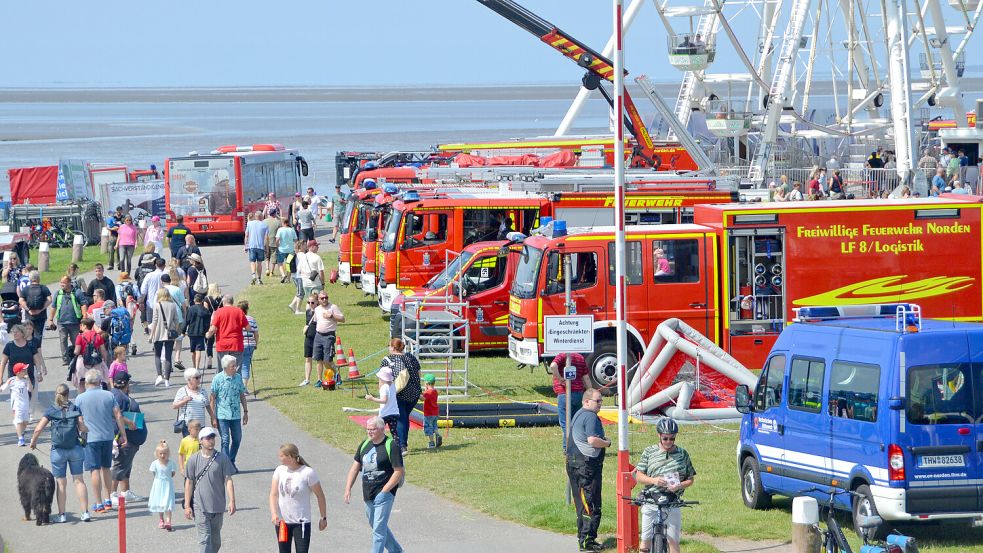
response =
{"points": [[568, 333]]}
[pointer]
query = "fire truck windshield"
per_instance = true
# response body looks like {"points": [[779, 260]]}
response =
{"points": [[450, 272], [392, 229], [346, 219], [527, 273]]}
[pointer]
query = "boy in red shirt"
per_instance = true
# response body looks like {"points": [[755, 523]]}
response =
{"points": [[430, 412]]}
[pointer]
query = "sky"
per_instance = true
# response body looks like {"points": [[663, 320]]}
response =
{"points": [[301, 43], [182, 43]]}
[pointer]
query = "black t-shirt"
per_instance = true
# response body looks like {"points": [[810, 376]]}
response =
{"points": [[127, 404], [105, 284], [19, 354], [184, 252], [377, 467], [199, 320], [311, 328], [35, 295], [177, 234]]}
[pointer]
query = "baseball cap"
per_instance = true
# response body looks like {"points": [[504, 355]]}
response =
{"points": [[21, 367], [121, 378], [206, 432], [108, 304], [385, 374], [311, 243], [155, 218], [429, 378]]}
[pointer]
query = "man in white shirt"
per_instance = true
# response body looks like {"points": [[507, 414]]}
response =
{"points": [[311, 269], [151, 283]]}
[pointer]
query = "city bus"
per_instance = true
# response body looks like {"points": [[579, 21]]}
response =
{"points": [[215, 191]]}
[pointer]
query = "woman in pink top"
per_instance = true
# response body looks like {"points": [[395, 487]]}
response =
{"points": [[125, 243], [155, 233]]}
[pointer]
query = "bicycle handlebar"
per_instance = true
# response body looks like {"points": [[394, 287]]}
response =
{"points": [[640, 500]]}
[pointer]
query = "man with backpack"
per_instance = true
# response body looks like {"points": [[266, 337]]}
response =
{"points": [[136, 436], [197, 279], [118, 324], [36, 299], [66, 311], [189, 248], [381, 467]]}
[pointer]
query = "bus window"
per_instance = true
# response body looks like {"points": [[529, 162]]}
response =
{"points": [[583, 272], [676, 260], [805, 384], [255, 184], [853, 390], [633, 255]]}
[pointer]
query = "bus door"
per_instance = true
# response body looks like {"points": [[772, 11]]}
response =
{"points": [[588, 294], [680, 282], [424, 242], [486, 292]]}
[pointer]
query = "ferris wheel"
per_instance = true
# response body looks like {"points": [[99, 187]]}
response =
{"points": [[817, 70]]}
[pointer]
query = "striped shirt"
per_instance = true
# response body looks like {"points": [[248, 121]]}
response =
{"points": [[196, 409], [249, 333], [656, 461]]}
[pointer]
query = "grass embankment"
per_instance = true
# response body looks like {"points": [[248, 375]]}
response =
{"points": [[60, 258], [515, 474]]}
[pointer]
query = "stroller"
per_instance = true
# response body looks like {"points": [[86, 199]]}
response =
{"points": [[10, 309]]}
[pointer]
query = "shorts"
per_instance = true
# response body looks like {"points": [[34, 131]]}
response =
{"points": [[308, 347], [256, 254], [123, 463], [674, 523], [197, 343], [307, 234], [271, 252], [63, 459], [323, 347], [281, 257], [430, 425], [308, 290], [21, 415], [98, 455]]}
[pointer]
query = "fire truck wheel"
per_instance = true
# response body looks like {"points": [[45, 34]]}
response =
{"points": [[602, 365]]}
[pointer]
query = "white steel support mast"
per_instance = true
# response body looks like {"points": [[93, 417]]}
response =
{"points": [[900, 82], [951, 91]]}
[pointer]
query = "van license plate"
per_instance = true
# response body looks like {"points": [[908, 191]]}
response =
{"points": [[932, 461]]}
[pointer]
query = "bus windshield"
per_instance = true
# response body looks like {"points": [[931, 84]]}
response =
{"points": [[527, 273], [202, 186], [450, 272], [392, 229]]}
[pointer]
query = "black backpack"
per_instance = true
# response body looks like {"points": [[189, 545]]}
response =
{"points": [[64, 429], [90, 353]]}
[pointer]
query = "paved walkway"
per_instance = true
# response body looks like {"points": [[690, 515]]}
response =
{"points": [[421, 520]]}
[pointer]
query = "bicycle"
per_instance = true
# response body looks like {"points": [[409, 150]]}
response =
{"points": [[663, 502], [832, 539]]}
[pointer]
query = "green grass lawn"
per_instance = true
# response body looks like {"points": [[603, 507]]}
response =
{"points": [[60, 258], [515, 474]]}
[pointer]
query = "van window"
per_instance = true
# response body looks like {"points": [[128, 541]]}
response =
{"points": [[768, 393], [805, 384], [676, 260], [582, 275], [633, 257], [853, 390], [941, 394]]}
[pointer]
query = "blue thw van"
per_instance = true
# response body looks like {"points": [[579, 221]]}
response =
{"points": [[871, 399]]}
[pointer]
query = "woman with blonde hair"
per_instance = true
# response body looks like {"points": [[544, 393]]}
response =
{"points": [[213, 301], [163, 331], [66, 452], [290, 501]]}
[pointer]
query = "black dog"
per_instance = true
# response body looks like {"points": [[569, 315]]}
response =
{"points": [[36, 485]]}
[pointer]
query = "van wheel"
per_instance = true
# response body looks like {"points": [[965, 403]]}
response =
{"points": [[752, 492], [863, 506]]}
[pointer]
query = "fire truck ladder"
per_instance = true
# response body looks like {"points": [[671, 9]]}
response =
{"points": [[676, 125], [436, 331], [707, 27], [778, 92]]}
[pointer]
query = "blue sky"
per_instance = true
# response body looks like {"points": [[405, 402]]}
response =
{"points": [[118, 43], [301, 42]]}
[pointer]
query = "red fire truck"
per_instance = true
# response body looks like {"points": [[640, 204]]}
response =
{"points": [[737, 273], [215, 191]]}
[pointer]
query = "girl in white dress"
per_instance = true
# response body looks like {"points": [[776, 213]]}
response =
{"points": [[161, 500]]}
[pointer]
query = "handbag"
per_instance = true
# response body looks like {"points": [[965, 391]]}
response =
{"points": [[172, 334], [402, 379], [180, 425]]}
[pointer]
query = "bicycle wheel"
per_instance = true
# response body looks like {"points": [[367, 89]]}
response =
{"points": [[659, 543]]}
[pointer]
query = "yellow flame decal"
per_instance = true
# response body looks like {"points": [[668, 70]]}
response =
{"points": [[888, 289]]}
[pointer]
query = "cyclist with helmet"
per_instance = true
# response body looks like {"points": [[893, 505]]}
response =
{"points": [[664, 467], [585, 468]]}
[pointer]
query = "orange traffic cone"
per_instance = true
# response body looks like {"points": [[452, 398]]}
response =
{"points": [[353, 366], [339, 357]]}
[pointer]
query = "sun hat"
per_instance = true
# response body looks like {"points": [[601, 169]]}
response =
{"points": [[385, 374]]}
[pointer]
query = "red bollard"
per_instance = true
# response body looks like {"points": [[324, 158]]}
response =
{"points": [[627, 513], [121, 518]]}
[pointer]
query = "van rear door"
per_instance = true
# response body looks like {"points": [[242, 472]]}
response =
{"points": [[942, 458]]}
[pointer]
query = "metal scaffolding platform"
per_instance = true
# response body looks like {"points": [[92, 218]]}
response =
{"points": [[436, 331]]}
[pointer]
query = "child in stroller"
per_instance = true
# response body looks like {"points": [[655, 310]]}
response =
{"points": [[10, 309]]}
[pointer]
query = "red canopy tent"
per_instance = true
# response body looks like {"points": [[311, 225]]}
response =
{"points": [[33, 185]]}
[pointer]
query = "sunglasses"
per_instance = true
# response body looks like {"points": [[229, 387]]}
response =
{"points": [[323, 299], [311, 302], [668, 438]]}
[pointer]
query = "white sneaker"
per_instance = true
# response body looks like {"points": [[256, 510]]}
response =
{"points": [[167, 383], [159, 381], [114, 498], [86, 517], [61, 518], [304, 383], [130, 496]]}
